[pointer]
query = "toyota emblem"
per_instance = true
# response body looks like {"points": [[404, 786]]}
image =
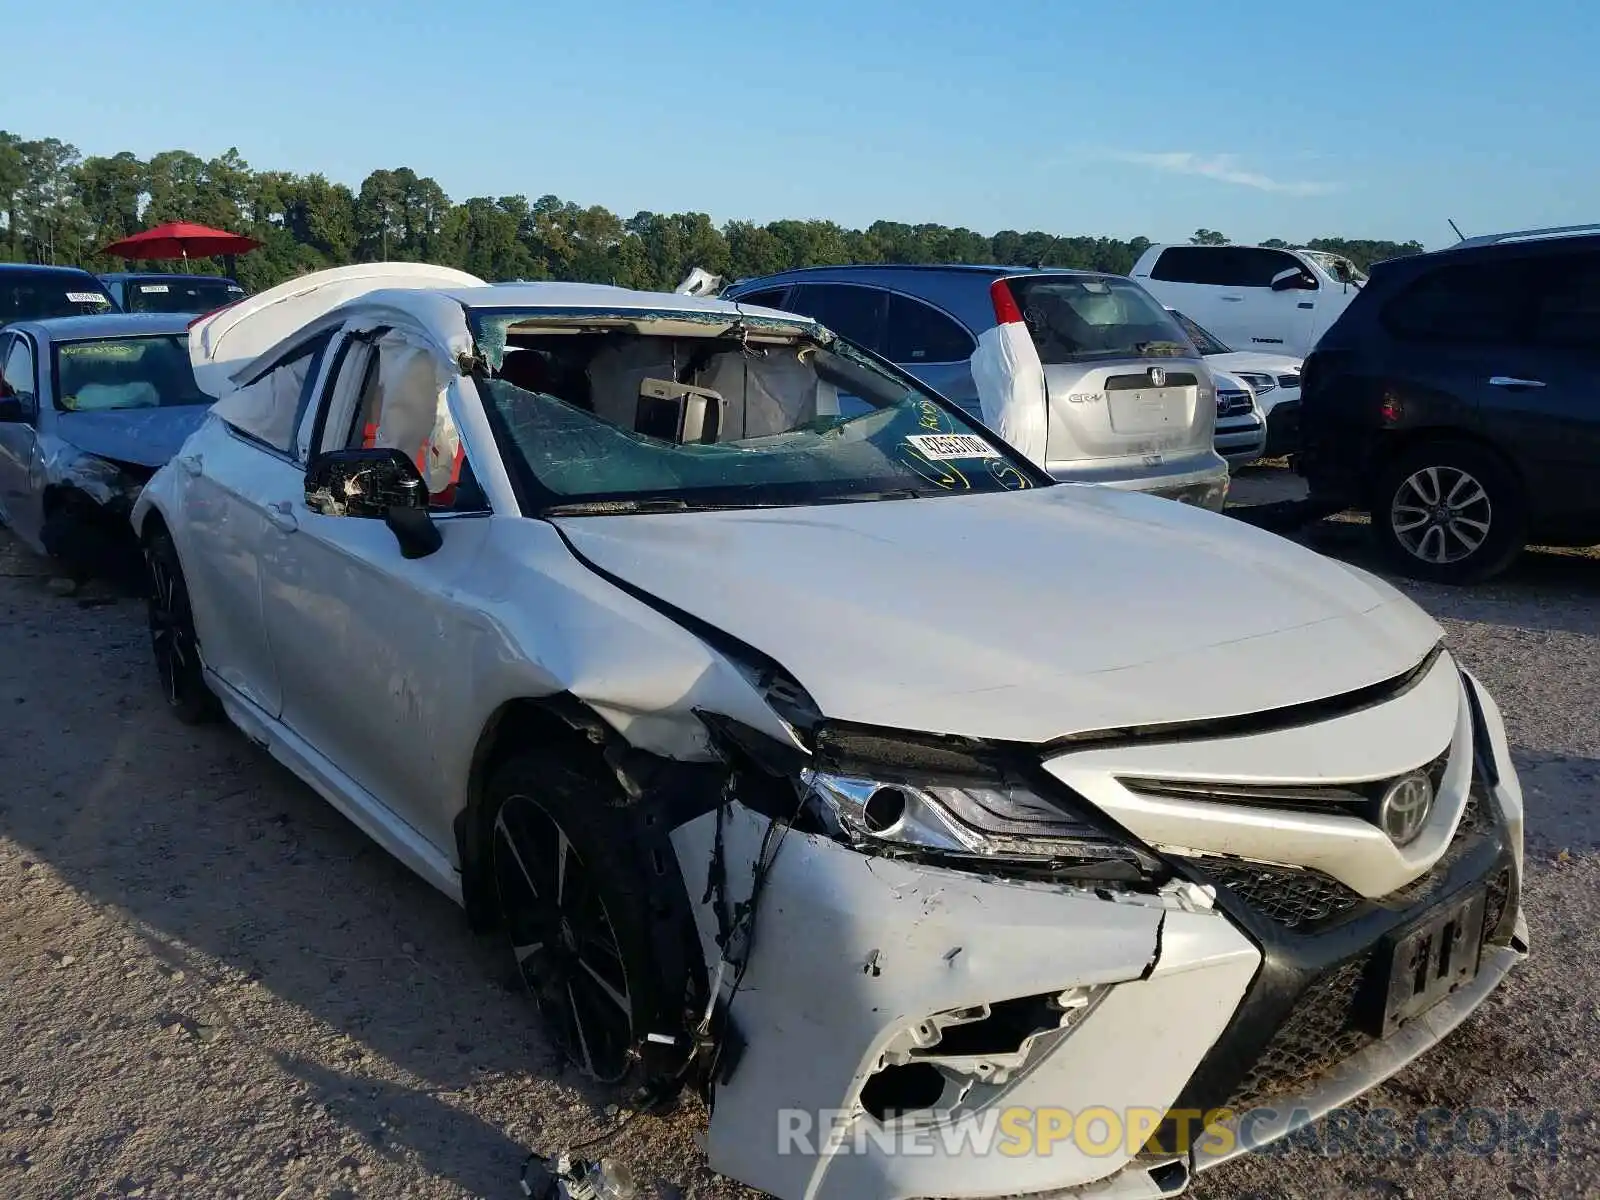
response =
{"points": [[1405, 808], [1158, 376]]}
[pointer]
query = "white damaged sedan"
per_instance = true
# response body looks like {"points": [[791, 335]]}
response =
{"points": [[813, 749]]}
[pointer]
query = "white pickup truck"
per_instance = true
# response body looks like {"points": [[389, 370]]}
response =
{"points": [[1253, 297]]}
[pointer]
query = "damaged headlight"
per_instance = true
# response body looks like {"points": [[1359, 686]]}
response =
{"points": [[997, 823]]}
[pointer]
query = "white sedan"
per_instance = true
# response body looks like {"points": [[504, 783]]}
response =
{"points": [[928, 816]]}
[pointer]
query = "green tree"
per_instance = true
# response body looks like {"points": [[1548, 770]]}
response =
{"points": [[58, 207]]}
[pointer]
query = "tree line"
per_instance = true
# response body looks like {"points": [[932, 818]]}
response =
{"points": [[60, 207]]}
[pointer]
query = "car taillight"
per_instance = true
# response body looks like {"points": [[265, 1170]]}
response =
{"points": [[1006, 311]]}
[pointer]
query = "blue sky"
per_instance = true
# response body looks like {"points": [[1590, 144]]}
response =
{"points": [[1362, 119]]}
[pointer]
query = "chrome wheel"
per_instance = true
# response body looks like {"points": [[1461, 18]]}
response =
{"points": [[1441, 515], [171, 636], [566, 947]]}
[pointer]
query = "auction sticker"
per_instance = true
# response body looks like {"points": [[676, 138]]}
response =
{"points": [[941, 446], [86, 298], [148, 288]]}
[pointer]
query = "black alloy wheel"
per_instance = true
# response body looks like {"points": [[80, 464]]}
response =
{"points": [[172, 636], [567, 951]]}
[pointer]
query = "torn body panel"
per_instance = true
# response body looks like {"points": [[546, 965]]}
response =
{"points": [[854, 958], [77, 509]]}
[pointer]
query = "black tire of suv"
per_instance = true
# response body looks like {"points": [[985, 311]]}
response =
{"points": [[538, 803], [1507, 512], [172, 636]]}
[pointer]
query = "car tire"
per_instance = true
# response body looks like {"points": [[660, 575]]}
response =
{"points": [[603, 962], [1449, 512], [172, 636]]}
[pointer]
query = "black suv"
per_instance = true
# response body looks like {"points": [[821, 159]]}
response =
{"points": [[1457, 400]]}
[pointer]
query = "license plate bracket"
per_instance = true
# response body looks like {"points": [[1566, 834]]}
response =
{"points": [[1147, 410], [1427, 962]]}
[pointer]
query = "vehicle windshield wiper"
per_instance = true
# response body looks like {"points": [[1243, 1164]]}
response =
{"points": [[866, 497], [1163, 347], [645, 504]]}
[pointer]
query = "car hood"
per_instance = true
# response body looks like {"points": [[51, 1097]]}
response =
{"points": [[1023, 616], [146, 436], [1250, 360]]}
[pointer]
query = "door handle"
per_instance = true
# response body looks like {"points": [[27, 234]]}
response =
{"points": [[191, 463], [1510, 381], [1232, 299], [282, 517]]}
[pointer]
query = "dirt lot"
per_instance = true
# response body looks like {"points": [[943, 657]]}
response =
{"points": [[211, 985]]}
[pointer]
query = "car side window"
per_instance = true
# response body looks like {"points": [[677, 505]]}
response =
{"points": [[919, 333], [398, 404], [771, 298], [850, 310], [270, 407], [1225, 266], [18, 372], [1567, 314], [1464, 303]]}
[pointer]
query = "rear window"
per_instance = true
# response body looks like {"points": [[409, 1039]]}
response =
{"points": [[33, 296], [1081, 318], [180, 295], [125, 372]]}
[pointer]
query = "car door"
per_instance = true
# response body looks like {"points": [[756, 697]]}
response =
{"points": [[230, 478], [1541, 391], [1229, 290], [370, 645], [20, 501]]}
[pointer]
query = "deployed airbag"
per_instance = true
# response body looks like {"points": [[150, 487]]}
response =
{"points": [[1011, 388]]}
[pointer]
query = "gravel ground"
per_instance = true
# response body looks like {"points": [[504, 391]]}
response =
{"points": [[212, 985]]}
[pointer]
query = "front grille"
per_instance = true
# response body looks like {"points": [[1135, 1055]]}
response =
{"points": [[1232, 404], [1301, 899], [1320, 1033], [1292, 898]]}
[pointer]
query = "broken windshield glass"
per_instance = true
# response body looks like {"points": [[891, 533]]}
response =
{"points": [[721, 414]]}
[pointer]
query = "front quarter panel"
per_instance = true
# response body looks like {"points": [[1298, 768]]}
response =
{"points": [[544, 624]]}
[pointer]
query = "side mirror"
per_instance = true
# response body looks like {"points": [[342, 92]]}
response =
{"points": [[1293, 280], [377, 483]]}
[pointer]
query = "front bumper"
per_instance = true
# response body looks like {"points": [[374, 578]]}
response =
{"points": [[1241, 441], [854, 954]]}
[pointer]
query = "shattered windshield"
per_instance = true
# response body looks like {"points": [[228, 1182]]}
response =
{"points": [[1342, 269], [125, 372], [710, 411]]}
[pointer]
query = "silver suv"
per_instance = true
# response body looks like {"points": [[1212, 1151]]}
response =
{"points": [[1083, 372]]}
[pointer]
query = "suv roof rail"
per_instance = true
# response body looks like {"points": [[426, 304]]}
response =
{"points": [[1490, 239]]}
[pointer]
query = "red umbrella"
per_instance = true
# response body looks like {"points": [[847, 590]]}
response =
{"points": [[180, 239]]}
